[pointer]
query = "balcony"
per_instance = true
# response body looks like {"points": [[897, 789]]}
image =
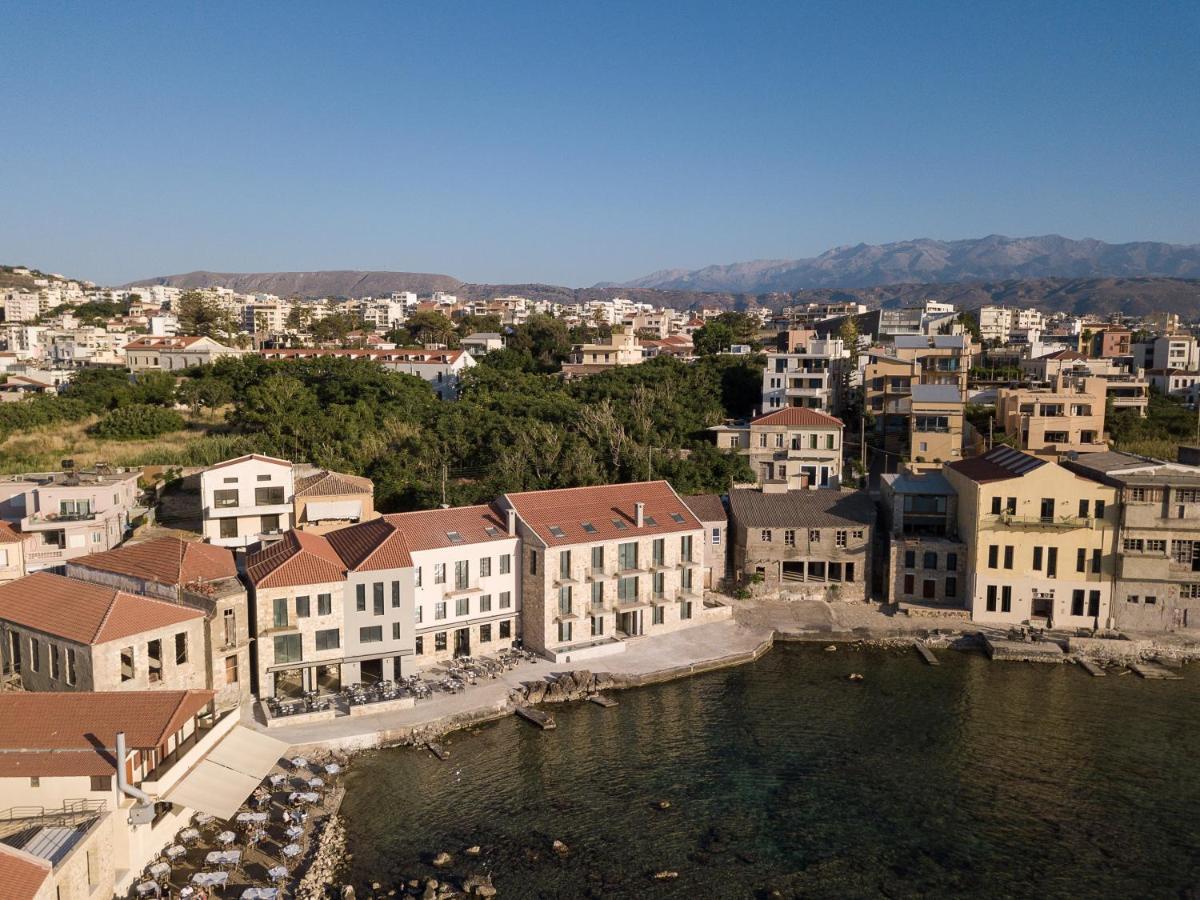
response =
{"points": [[229, 512], [1015, 520], [49, 521]]}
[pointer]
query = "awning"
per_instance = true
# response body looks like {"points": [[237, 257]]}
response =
{"points": [[316, 510], [230, 772]]}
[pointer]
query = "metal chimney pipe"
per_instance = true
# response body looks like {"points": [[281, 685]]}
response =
{"points": [[123, 784]]}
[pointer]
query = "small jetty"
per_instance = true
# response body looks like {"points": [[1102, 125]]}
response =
{"points": [[601, 700], [926, 654], [542, 720], [1090, 667], [438, 750], [1154, 670], [1022, 651]]}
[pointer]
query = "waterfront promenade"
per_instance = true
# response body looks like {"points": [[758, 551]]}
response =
{"points": [[645, 661]]}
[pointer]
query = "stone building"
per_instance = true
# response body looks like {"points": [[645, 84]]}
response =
{"points": [[60, 634], [926, 561], [1040, 541], [1158, 539], [325, 501], [789, 449], [604, 564], [196, 575], [714, 556], [804, 543]]}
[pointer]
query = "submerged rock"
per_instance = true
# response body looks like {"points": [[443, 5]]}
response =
{"points": [[560, 848], [666, 875], [442, 860], [473, 850]]}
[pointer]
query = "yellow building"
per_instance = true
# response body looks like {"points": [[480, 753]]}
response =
{"points": [[1040, 541], [1066, 417]]}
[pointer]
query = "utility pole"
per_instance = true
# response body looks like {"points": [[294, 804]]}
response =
{"points": [[445, 505], [862, 442]]}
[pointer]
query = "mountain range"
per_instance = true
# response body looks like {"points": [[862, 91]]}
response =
{"points": [[924, 261]]}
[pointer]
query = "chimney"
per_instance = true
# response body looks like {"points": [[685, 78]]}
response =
{"points": [[639, 514], [512, 523]]}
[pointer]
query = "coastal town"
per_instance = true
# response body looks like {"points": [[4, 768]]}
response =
{"points": [[191, 652]]}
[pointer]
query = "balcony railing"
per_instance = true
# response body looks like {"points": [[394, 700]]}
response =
{"points": [[1015, 520]]}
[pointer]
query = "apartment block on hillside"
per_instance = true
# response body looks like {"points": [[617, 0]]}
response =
{"points": [[806, 371]]}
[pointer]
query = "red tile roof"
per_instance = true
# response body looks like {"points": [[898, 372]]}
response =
{"points": [[370, 546], [798, 416], [298, 558], [83, 612], [332, 484], [162, 343], [63, 733], [400, 354], [430, 529], [22, 874], [569, 508], [165, 560], [10, 535], [1065, 354]]}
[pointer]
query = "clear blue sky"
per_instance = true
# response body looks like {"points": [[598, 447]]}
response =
{"points": [[570, 142]]}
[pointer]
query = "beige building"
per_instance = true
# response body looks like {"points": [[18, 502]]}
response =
{"points": [[789, 449], [325, 501], [812, 544], [174, 354], [59, 634], [927, 562], [1040, 541], [622, 349], [936, 426], [1066, 417], [807, 371], [1158, 543], [12, 553], [246, 500], [198, 576], [710, 510], [601, 565], [1126, 388]]}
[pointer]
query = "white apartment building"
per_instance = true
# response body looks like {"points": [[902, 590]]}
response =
{"points": [[246, 499], [1175, 351], [811, 373], [442, 369]]}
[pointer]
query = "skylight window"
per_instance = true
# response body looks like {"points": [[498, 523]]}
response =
{"points": [[557, 532], [490, 530], [589, 527], [677, 518], [649, 521], [619, 524], [455, 537]]}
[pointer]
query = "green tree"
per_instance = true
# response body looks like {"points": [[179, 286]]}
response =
{"points": [[432, 327], [971, 323], [137, 421], [745, 326], [849, 336], [713, 337], [545, 338]]}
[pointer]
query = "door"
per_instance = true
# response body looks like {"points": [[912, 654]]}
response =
{"points": [[371, 671], [462, 642]]}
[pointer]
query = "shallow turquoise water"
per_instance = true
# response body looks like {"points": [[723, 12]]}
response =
{"points": [[990, 779]]}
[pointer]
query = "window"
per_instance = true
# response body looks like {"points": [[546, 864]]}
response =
{"points": [[1099, 509], [1010, 505], [372, 634], [1138, 495], [850, 572], [439, 641], [360, 598], [485, 603], [1096, 558], [268, 496], [418, 613], [1156, 546], [597, 626], [951, 587], [564, 600], [287, 648], [930, 561], [839, 539], [263, 478], [55, 662], [395, 631], [228, 528], [716, 536], [1133, 545], [329, 639], [302, 607], [995, 506], [324, 604], [485, 633], [268, 524], [564, 631], [627, 556], [1094, 603], [1006, 598], [659, 551], [505, 563], [1047, 509], [1084, 507], [951, 562], [225, 499], [126, 662], [395, 595], [439, 573], [1037, 559], [658, 615], [564, 564], [462, 606], [1150, 601], [101, 783], [597, 594], [181, 648], [814, 535], [377, 598], [506, 629], [789, 537], [685, 548], [70, 665], [1052, 562], [765, 535], [505, 599], [909, 583], [993, 556], [532, 562], [419, 645], [910, 559], [627, 590], [417, 576], [280, 617], [485, 567], [686, 579], [439, 610], [229, 480], [597, 559], [1008, 557], [991, 598], [1081, 560]]}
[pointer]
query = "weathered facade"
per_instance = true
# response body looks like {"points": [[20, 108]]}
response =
{"points": [[789, 449], [926, 561]]}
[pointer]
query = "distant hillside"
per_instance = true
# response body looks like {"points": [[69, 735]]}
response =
{"points": [[923, 261], [311, 284]]}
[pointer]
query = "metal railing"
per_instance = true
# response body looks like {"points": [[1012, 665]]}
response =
{"points": [[71, 814], [1016, 520]]}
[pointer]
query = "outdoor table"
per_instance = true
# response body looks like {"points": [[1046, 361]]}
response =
{"points": [[159, 870], [277, 873], [294, 831], [276, 779], [226, 838], [187, 891], [333, 768], [251, 817], [189, 834], [210, 879], [316, 783], [300, 762], [175, 851], [203, 819], [260, 893], [148, 887], [223, 858], [303, 797], [291, 850]]}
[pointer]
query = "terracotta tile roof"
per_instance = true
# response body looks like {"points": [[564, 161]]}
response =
{"points": [[332, 484], [601, 506], [431, 529], [1064, 354], [83, 612], [165, 560], [399, 355], [9, 535], [162, 343], [258, 456], [801, 509], [707, 507], [369, 546], [22, 874], [800, 417], [298, 558], [998, 464], [64, 733]]}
